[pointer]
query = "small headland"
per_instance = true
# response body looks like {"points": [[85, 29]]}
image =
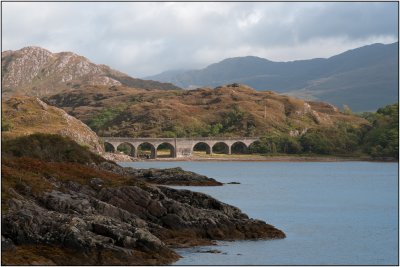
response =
{"points": [[64, 205]]}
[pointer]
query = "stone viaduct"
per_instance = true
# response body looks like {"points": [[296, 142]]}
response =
{"points": [[179, 147]]}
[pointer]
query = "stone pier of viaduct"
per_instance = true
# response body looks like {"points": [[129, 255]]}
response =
{"points": [[179, 147]]}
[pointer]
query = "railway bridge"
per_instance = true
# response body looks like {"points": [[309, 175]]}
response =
{"points": [[179, 147]]}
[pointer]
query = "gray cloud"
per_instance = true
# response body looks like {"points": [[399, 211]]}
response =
{"points": [[146, 38]]}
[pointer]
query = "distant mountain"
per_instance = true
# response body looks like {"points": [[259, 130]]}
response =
{"points": [[364, 78], [35, 71], [169, 75]]}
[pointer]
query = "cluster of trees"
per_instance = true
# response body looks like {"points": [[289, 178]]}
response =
{"points": [[379, 140], [382, 140], [343, 139], [231, 123], [100, 121]]}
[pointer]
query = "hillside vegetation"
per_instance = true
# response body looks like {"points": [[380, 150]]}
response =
{"points": [[48, 147], [382, 139], [231, 110], [379, 140], [22, 116], [285, 124]]}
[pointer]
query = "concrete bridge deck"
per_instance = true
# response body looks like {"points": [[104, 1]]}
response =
{"points": [[179, 147]]}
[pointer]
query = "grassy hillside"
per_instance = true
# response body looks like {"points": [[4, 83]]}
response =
{"points": [[49, 147], [285, 124], [232, 110], [22, 116]]}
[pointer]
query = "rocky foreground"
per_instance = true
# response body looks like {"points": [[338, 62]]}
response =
{"points": [[98, 213]]}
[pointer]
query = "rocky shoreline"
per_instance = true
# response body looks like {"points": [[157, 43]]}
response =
{"points": [[136, 222], [256, 158], [278, 159], [171, 176]]}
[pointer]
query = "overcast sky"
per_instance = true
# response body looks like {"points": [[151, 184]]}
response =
{"points": [[143, 39]]}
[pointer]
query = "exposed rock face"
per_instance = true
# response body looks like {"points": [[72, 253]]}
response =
{"points": [[81, 223], [35, 71], [118, 157], [24, 65], [122, 224], [28, 115], [35, 66], [18, 67]]}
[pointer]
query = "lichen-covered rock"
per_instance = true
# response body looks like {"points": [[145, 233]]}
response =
{"points": [[53, 220]]}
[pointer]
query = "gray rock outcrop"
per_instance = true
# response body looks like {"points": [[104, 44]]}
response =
{"points": [[122, 224]]}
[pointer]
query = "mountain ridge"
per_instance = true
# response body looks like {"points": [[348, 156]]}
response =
{"points": [[295, 77], [35, 71]]}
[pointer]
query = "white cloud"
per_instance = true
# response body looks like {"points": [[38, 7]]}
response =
{"points": [[249, 20], [146, 38], [320, 48]]}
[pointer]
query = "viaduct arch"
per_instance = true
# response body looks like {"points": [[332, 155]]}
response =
{"points": [[179, 147]]}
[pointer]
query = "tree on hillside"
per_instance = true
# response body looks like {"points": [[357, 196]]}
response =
{"points": [[382, 140]]}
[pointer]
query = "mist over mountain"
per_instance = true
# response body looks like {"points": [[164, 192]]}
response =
{"points": [[364, 78], [35, 71]]}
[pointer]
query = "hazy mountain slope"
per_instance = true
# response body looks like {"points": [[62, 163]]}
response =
{"points": [[233, 110], [314, 78], [353, 89], [170, 75], [35, 71]]}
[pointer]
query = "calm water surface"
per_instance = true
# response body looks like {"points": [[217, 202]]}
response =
{"points": [[332, 213]]}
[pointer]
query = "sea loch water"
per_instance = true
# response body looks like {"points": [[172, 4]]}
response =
{"points": [[333, 213]]}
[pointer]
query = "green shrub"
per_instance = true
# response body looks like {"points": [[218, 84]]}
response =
{"points": [[233, 120], [5, 125], [314, 142], [49, 147], [101, 120], [382, 139], [276, 144]]}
